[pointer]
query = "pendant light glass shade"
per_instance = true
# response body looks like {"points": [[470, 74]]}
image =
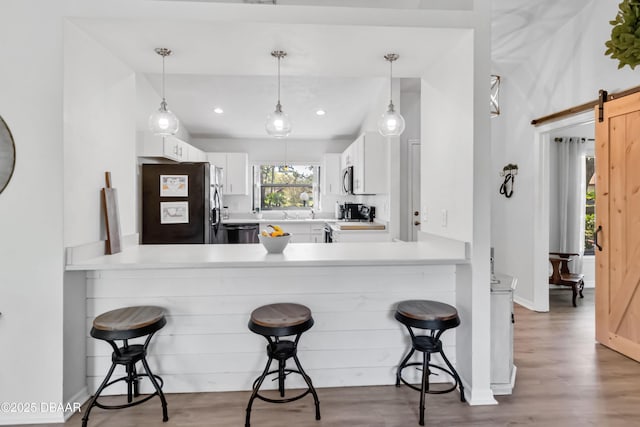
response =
{"points": [[163, 122], [278, 124], [391, 123]]}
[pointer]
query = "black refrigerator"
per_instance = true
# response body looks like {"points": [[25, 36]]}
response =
{"points": [[176, 203]]}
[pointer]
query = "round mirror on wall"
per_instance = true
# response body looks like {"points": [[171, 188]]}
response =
{"points": [[7, 155]]}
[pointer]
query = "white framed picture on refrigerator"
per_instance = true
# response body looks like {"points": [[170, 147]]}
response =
{"points": [[174, 185], [174, 212]]}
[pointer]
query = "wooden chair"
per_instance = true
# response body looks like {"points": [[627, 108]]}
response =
{"points": [[562, 276]]}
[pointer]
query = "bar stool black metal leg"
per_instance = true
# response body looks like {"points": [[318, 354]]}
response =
{"points": [[455, 376], [281, 376], [425, 384], [95, 396], [165, 415], [307, 379], [401, 366], [256, 387], [130, 379], [136, 382]]}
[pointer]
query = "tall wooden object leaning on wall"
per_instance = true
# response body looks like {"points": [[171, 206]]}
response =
{"points": [[111, 217]]}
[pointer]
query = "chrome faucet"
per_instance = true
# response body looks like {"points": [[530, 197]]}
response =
{"points": [[285, 215], [313, 214]]}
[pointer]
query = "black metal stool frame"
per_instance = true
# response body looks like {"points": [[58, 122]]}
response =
{"points": [[281, 350], [129, 355], [428, 344]]}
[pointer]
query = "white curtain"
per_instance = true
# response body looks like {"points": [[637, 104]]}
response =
{"points": [[571, 198]]}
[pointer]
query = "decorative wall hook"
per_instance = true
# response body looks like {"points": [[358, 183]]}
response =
{"points": [[511, 168], [509, 172]]}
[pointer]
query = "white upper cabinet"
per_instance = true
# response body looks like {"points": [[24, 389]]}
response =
{"points": [[237, 181], [235, 171], [331, 174], [172, 148], [218, 160], [369, 156], [196, 154]]}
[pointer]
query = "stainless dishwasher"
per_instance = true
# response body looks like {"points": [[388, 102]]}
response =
{"points": [[232, 233]]}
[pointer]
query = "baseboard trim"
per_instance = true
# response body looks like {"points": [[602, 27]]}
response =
{"points": [[524, 302], [476, 397], [80, 397], [49, 419], [504, 388]]}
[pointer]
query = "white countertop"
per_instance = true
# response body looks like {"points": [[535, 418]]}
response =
{"points": [[277, 220], [295, 255], [335, 223]]}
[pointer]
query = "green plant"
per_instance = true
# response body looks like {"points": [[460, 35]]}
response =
{"points": [[625, 35]]}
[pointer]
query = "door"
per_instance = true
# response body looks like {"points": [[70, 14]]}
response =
{"points": [[618, 226], [414, 196]]}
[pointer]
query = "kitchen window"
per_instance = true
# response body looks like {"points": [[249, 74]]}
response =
{"points": [[285, 187]]}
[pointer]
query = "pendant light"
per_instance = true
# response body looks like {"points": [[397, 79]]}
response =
{"points": [[163, 122], [391, 123], [278, 124]]}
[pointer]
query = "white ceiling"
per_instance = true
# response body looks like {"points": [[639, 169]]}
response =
{"points": [[229, 65], [246, 101], [338, 68]]}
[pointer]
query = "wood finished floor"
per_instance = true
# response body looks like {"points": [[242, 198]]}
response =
{"points": [[564, 379]]}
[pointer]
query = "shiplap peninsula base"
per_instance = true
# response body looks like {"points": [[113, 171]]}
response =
{"points": [[206, 345]]}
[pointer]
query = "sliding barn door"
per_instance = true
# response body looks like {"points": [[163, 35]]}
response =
{"points": [[618, 226]]}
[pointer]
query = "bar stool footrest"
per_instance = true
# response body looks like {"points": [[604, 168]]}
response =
{"points": [[287, 400], [130, 404], [448, 372]]}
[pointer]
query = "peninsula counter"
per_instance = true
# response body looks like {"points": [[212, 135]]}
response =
{"points": [[209, 292]]}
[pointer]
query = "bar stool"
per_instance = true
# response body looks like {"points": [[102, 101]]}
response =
{"points": [[124, 324], [274, 321], [436, 317]]}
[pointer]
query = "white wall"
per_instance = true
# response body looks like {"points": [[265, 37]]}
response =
{"points": [[99, 130], [31, 207], [447, 144], [565, 71]]}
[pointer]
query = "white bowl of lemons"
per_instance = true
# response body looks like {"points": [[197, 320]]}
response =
{"points": [[275, 241]]}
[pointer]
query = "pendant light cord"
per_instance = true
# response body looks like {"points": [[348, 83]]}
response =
{"points": [[279, 80], [390, 82], [163, 98]]}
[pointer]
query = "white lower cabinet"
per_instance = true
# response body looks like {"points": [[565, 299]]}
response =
{"points": [[503, 372], [317, 233], [342, 236]]}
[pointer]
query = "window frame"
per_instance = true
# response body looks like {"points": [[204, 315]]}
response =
{"points": [[313, 188]]}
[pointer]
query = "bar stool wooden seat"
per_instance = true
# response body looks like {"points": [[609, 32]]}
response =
{"points": [[124, 324], [274, 321], [436, 317]]}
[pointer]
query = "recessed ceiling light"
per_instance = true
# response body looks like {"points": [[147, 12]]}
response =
{"points": [[218, 110], [320, 112]]}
